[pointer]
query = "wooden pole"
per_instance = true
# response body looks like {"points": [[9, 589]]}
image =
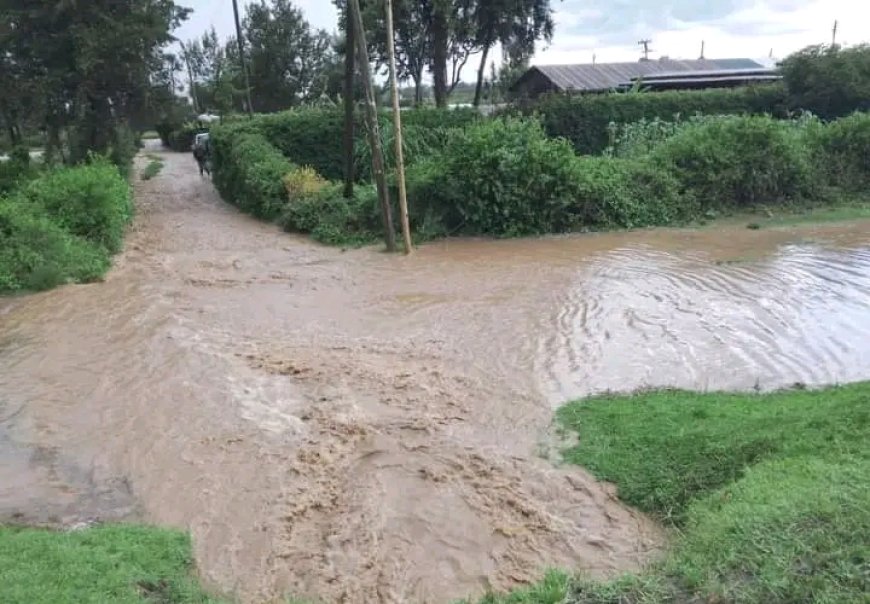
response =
{"points": [[242, 57], [397, 126], [349, 76], [373, 126]]}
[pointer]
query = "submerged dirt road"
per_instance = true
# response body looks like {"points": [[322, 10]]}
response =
{"points": [[361, 427]]}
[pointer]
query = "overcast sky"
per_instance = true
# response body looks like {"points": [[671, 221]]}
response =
{"points": [[611, 28]]}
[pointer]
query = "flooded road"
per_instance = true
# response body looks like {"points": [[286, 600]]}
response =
{"points": [[361, 427]]}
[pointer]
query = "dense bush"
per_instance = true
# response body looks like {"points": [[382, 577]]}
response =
{"points": [[506, 177], [308, 137], [828, 80], [417, 142], [249, 171], [314, 136], [16, 170], [62, 227], [740, 161], [330, 218], [91, 201], [585, 119], [843, 151], [37, 254]]}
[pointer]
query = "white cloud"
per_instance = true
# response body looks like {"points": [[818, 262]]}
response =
{"points": [[611, 28]]}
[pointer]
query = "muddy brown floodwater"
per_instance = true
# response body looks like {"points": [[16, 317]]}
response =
{"points": [[361, 427]]}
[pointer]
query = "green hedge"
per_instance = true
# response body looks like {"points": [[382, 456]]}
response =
{"points": [[740, 161], [843, 151], [248, 171], [585, 119], [62, 227], [506, 177], [314, 136]]}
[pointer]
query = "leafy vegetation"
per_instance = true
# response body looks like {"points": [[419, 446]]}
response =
{"points": [[249, 172], [152, 169], [586, 120], [770, 493], [119, 564], [829, 81], [62, 227]]}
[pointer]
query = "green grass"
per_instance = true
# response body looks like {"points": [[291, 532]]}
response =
{"points": [[835, 213], [769, 494], [114, 563], [150, 135], [153, 168]]}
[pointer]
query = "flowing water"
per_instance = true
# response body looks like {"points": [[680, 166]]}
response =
{"points": [[363, 427]]}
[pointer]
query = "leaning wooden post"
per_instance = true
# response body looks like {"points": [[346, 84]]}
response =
{"points": [[373, 126], [397, 126]]}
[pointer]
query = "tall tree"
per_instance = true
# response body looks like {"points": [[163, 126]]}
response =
{"points": [[286, 55], [92, 60], [516, 24]]}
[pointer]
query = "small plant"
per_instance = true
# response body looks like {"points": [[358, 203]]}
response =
{"points": [[303, 182], [152, 169]]}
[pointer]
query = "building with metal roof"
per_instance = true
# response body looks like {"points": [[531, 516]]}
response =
{"points": [[603, 77], [688, 80]]}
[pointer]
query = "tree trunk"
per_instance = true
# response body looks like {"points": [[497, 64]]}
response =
{"points": [[349, 71], [373, 127], [440, 36], [480, 75], [418, 91]]}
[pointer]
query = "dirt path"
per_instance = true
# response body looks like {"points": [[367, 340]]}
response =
{"points": [[361, 427]]}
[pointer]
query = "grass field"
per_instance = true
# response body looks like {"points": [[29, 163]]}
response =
{"points": [[768, 494], [118, 564]]}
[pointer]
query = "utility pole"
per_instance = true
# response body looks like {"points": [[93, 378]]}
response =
{"points": [[373, 126], [702, 50], [834, 34], [646, 49], [242, 57], [349, 74], [397, 126]]}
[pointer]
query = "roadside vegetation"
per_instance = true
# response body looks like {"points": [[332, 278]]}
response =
{"points": [[62, 226], [768, 494], [155, 164], [117, 563], [505, 177]]}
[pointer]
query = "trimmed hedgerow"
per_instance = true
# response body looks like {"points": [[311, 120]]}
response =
{"points": [[249, 171], [585, 120], [843, 151]]}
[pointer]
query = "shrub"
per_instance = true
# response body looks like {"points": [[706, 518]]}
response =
{"points": [[417, 142], [178, 137], [432, 118], [91, 201], [302, 182], [308, 137], [37, 254], [330, 218], [505, 177], [248, 171], [15, 171], [740, 161], [843, 148], [585, 119], [498, 177]]}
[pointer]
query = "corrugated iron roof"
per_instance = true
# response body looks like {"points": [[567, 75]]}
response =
{"points": [[606, 76]]}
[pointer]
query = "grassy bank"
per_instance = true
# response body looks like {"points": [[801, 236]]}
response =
{"points": [[118, 564], [769, 494]]}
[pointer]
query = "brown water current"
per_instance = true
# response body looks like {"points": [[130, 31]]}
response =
{"points": [[363, 427]]}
